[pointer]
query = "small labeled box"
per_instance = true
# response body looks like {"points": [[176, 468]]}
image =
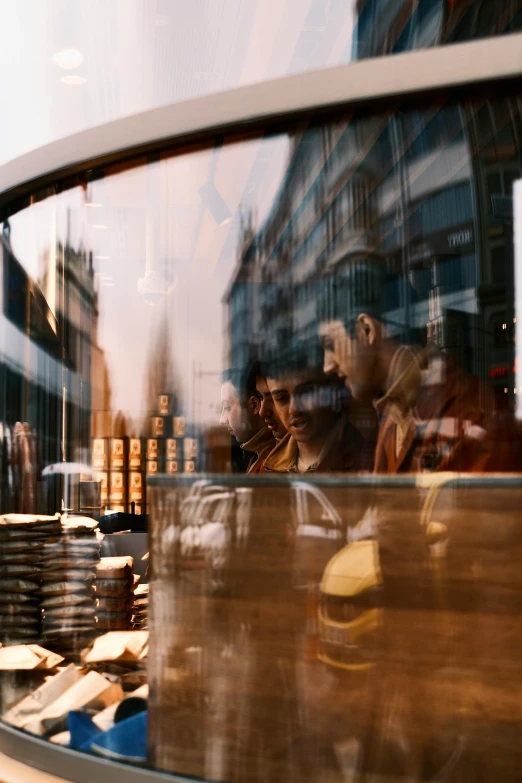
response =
{"points": [[171, 449], [190, 466], [164, 404], [171, 466], [135, 486], [157, 426], [190, 448], [100, 459], [136, 456], [178, 423], [117, 484], [118, 454], [152, 467], [152, 448], [103, 478]]}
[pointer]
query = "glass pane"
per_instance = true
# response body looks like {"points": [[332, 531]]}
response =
{"points": [[80, 66], [331, 310]]}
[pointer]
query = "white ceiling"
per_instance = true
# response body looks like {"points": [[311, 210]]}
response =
{"points": [[141, 54]]}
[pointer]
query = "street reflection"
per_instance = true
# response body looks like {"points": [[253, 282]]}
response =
{"points": [[318, 639]]}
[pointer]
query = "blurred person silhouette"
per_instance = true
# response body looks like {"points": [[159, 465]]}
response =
{"points": [[268, 411], [433, 414], [240, 414], [319, 437]]}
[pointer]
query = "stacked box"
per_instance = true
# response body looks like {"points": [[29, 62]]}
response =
{"points": [[103, 478], [114, 593], [136, 459], [136, 475], [136, 491], [100, 454], [140, 608], [172, 455], [157, 427], [22, 537], [118, 490], [155, 456], [118, 459], [178, 426], [66, 593], [190, 451], [165, 404]]}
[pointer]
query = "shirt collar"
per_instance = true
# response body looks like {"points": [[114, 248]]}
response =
{"points": [[285, 455], [404, 378], [260, 441]]}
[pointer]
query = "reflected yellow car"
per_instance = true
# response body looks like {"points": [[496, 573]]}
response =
{"points": [[350, 614]]}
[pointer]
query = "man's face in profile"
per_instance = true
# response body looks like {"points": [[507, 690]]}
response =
{"points": [[350, 358], [268, 410], [233, 415]]}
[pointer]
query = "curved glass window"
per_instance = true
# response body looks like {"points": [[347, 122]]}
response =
{"points": [[292, 358], [81, 64]]}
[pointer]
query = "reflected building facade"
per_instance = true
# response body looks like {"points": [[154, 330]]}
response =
{"points": [[425, 194], [390, 27], [48, 356]]}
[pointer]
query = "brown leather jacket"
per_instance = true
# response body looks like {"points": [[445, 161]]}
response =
{"points": [[344, 450], [261, 445], [436, 417]]}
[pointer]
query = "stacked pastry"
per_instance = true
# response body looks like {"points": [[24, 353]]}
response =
{"points": [[114, 593], [66, 593], [140, 608], [22, 537]]}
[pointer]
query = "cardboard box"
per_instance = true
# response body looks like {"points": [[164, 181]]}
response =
{"points": [[100, 458], [136, 453], [179, 426], [118, 453], [37, 701], [164, 404], [28, 656], [153, 449], [92, 689], [190, 448], [171, 466], [136, 487], [118, 488], [190, 466], [119, 646], [103, 478], [157, 424], [171, 448]]}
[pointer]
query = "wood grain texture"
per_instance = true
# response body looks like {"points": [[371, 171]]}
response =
{"points": [[246, 685]]}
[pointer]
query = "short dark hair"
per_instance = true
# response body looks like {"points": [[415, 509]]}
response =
{"points": [[302, 356], [296, 356], [350, 291], [243, 379], [365, 287]]}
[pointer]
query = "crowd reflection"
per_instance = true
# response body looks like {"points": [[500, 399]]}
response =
{"points": [[298, 412]]}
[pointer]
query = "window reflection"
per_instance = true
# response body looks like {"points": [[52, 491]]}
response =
{"points": [[363, 274], [329, 310]]}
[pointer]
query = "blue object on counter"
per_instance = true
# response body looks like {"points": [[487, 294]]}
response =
{"points": [[126, 741], [82, 730]]}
